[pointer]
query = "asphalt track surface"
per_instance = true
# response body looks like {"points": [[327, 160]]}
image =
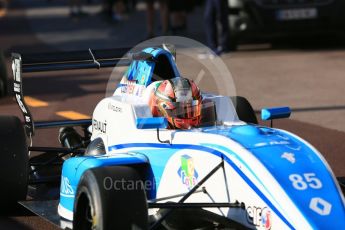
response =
{"points": [[308, 77]]}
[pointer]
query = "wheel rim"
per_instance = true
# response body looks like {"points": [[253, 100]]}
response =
{"points": [[88, 217], [84, 219]]}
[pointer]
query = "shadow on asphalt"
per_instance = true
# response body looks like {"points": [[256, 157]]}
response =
{"points": [[63, 84], [58, 86], [9, 223], [17, 210]]}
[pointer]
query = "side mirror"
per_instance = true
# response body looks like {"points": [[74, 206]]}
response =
{"points": [[275, 113], [152, 123]]}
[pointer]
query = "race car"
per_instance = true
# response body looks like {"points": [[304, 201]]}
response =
{"points": [[134, 168]]}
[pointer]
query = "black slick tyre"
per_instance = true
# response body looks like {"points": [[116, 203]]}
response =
{"points": [[3, 76], [244, 110], [2, 88], [14, 161], [106, 199]]}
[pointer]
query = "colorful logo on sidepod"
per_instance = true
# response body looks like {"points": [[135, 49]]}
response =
{"points": [[187, 172]]}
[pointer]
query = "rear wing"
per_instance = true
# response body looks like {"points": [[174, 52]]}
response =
{"points": [[62, 61], [72, 60]]}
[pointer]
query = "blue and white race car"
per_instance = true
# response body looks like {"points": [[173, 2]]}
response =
{"points": [[130, 171]]}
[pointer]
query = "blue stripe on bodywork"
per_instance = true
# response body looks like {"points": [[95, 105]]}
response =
{"points": [[214, 152], [227, 150]]}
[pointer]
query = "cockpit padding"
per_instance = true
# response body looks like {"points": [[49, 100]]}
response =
{"points": [[163, 69]]}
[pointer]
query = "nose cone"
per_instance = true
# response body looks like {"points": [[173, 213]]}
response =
{"points": [[251, 136], [300, 170]]}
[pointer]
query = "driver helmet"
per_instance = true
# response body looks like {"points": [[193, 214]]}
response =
{"points": [[179, 100]]}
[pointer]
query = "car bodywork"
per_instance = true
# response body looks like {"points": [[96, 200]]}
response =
{"points": [[259, 177]]}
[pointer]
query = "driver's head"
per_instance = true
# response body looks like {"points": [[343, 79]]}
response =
{"points": [[179, 100]]}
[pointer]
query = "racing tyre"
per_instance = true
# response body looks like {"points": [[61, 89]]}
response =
{"points": [[2, 88], [3, 77], [244, 110], [14, 160], [107, 199]]}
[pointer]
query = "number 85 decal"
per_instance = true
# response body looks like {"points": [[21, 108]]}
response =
{"points": [[303, 182]]}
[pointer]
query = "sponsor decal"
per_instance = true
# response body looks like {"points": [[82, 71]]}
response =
{"points": [[100, 126], [187, 172], [320, 206], [114, 108], [262, 144], [259, 217], [123, 88], [139, 90], [127, 86], [289, 156], [27, 119], [16, 69], [66, 188], [125, 81], [279, 142], [21, 104], [17, 87], [266, 218], [134, 87], [130, 89]]}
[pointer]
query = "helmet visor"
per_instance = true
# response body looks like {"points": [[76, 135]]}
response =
{"points": [[182, 110]]}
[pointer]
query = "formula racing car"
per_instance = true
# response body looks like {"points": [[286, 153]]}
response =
{"points": [[129, 168]]}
